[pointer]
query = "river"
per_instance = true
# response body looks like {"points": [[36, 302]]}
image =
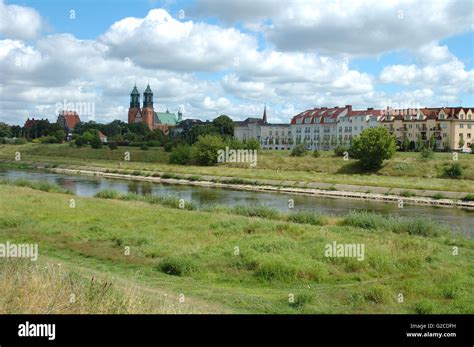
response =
{"points": [[459, 220]]}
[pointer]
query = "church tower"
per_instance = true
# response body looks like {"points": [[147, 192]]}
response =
{"points": [[148, 112], [134, 105]]}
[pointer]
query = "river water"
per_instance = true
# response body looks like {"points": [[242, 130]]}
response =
{"points": [[460, 220]]}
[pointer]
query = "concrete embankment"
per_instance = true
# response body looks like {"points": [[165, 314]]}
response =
{"points": [[331, 191]]}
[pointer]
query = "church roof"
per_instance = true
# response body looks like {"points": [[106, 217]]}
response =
{"points": [[135, 91], [148, 89], [165, 118]]}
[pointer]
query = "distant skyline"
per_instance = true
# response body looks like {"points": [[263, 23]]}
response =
{"points": [[232, 56]]}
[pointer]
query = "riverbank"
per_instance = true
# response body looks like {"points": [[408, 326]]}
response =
{"points": [[245, 264], [392, 195], [403, 172]]}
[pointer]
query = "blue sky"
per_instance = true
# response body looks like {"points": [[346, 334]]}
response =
{"points": [[233, 56]]}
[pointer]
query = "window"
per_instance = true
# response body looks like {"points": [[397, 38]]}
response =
{"points": [[461, 126], [468, 135]]}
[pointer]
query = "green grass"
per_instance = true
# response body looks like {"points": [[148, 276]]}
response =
{"points": [[225, 262], [404, 170]]}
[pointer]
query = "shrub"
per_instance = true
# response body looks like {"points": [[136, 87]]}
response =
{"points": [[453, 170], [424, 307], [252, 144], [177, 266], [340, 150], [96, 142], [316, 153], [80, 141], [261, 211], [372, 147], [168, 146], [306, 217], [113, 145], [438, 196], [426, 153], [107, 194], [300, 300], [153, 143], [205, 149], [143, 147], [181, 155], [468, 197], [20, 141], [298, 151]]}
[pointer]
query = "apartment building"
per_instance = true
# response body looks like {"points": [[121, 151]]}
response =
{"points": [[439, 127]]}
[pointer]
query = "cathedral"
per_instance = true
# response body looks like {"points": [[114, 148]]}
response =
{"points": [[155, 120]]}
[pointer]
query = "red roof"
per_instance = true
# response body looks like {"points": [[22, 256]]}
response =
{"points": [[71, 118]]}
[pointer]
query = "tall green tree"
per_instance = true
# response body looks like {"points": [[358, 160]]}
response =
{"points": [[372, 147]]}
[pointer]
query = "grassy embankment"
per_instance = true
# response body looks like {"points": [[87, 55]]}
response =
{"points": [[405, 170], [194, 253]]}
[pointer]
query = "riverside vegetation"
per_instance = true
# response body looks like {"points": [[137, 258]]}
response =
{"points": [[407, 170], [242, 259]]}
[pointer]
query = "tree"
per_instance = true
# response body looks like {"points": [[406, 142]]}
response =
{"points": [[205, 149], [5, 131], [96, 142], [224, 125], [60, 135], [461, 143], [140, 128], [156, 135], [252, 144], [372, 147]]}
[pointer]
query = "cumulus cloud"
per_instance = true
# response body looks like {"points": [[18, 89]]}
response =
{"points": [[160, 41], [348, 27], [19, 22]]}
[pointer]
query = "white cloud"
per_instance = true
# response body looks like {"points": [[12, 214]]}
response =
{"points": [[19, 22], [345, 26], [160, 41]]}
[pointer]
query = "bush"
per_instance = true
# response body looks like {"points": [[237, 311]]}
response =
{"points": [[20, 141], [340, 150], [153, 143], [316, 153], [143, 147], [48, 139], [261, 211], [453, 170], [181, 155], [113, 145], [301, 300], [80, 141], [298, 151], [372, 147], [168, 146], [424, 307], [468, 197], [96, 142], [426, 153], [177, 266], [306, 217], [107, 194], [252, 144], [205, 149]]}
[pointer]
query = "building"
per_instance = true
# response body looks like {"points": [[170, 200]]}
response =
{"points": [[68, 120], [318, 127], [154, 120], [446, 127], [270, 136], [102, 136]]}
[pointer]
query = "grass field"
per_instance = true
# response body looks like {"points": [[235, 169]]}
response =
{"points": [[405, 170], [223, 262]]}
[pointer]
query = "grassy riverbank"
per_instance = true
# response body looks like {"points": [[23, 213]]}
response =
{"points": [[225, 262], [405, 170]]}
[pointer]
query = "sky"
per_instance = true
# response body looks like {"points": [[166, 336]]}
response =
{"points": [[212, 57]]}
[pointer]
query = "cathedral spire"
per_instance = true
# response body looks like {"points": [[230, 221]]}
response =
{"points": [[264, 120], [148, 97]]}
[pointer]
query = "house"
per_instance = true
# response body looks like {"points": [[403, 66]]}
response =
{"points": [[68, 120], [103, 138]]}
